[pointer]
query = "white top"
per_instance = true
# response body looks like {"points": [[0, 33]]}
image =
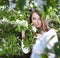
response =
{"points": [[24, 49], [41, 43]]}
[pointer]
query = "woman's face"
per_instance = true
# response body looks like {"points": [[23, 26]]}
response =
{"points": [[36, 20]]}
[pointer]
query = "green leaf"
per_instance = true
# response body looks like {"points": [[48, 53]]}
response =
{"points": [[44, 56], [20, 4]]}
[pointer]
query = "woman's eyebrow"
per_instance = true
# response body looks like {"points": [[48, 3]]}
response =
{"points": [[34, 18]]}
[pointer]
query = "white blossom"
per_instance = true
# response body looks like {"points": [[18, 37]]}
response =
{"points": [[21, 15], [59, 28], [50, 7], [35, 4], [11, 5], [15, 50], [4, 44], [34, 28], [52, 25], [24, 23], [19, 11], [2, 7], [10, 46], [3, 40], [31, 5], [18, 21], [1, 49], [27, 3], [5, 19]]}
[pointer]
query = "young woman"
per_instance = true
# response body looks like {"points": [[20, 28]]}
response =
{"points": [[43, 37]]}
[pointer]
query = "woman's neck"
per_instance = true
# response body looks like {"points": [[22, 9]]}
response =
{"points": [[39, 31]]}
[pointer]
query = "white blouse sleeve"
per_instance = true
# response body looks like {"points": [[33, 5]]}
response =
{"points": [[24, 49], [51, 43]]}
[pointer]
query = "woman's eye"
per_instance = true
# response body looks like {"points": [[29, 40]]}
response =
{"points": [[34, 18]]}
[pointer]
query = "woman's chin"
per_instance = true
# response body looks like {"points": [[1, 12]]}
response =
{"points": [[37, 26]]}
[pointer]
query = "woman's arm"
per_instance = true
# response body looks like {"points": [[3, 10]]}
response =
{"points": [[51, 42], [23, 34], [24, 49]]}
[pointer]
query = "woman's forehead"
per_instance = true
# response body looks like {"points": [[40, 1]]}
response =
{"points": [[35, 15]]}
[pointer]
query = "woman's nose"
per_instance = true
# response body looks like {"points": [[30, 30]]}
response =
{"points": [[36, 21]]}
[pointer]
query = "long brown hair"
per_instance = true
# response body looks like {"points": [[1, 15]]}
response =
{"points": [[46, 25], [42, 22]]}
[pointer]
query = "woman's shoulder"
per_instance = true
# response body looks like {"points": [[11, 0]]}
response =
{"points": [[52, 30]]}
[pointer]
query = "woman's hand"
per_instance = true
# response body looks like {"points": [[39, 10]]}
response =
{"points": [[23, 34]]}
